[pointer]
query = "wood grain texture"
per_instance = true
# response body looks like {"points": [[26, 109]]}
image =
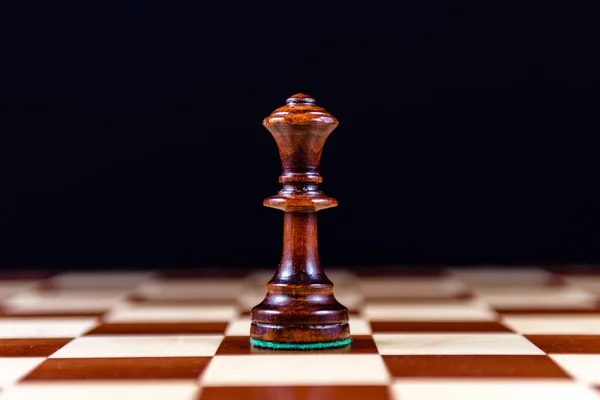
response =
{"points": [[300, 306]]}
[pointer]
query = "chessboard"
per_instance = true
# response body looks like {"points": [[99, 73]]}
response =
{"points": [[421, 333]]}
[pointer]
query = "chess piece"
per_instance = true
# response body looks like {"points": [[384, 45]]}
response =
{"points": [[299, 310]]}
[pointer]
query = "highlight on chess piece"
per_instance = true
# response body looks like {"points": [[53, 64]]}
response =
{"points": [[299, 310]]}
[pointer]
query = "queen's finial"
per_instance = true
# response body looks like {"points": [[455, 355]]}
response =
{"points": [[300, 98]]}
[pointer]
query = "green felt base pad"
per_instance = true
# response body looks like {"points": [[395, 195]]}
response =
{"points": [[299, 346]]}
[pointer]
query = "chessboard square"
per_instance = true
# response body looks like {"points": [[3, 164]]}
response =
{"points": [[70, 300], [27, 328], [567, 344], [487, 366], [454, 343], [103, 279], [158, 328], [78, 390], [463, 311], [589, 282], [548, 310], [359, 326], [350, 297], [190, 289], [246, 301], [30, 347], [502, 276], [13, 369], [296, 392], [438, 326], [138, 368], [239, 327], [583, 367], [518, 389], [538, 297], [173, 313], [296, 370], [11, 287], [409, 287], [558, 324], [121, 346], [238, 345], [341, 277]]}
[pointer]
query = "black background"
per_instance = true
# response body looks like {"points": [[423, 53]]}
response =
{"points": [[132, 136]]}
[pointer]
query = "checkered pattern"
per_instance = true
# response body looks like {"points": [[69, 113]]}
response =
{"points": [[493, 333]]}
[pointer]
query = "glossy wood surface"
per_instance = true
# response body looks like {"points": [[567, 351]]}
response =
{"points": [[300, 306]]}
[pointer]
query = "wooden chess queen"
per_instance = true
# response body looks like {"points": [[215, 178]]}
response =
{"points": [[299, 310]]}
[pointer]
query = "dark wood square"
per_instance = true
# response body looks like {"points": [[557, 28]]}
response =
{"points": [[486, 366], [296, 393], [119, 368], [31, 347], [159, 328], [437, 326], [567, 344]]}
